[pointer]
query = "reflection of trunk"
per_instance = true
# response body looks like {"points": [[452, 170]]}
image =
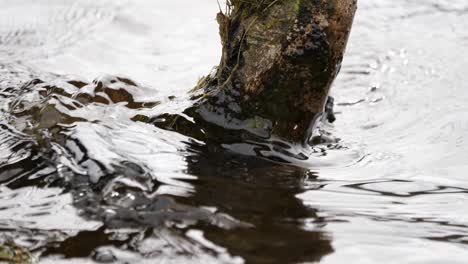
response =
{"points": [[279, 60], [261, 193]]}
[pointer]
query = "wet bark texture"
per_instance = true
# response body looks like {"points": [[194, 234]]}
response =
{"points": [[279, 60]]}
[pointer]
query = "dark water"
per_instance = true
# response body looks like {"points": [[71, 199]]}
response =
{"points": [[83, 182]]}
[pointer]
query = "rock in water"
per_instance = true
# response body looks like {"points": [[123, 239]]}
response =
{"points": [[279, 60]]}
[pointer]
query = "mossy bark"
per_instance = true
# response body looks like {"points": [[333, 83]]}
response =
{"points": [[279, 61]]}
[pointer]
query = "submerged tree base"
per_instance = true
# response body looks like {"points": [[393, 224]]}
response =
{"points": [[279, 60]]}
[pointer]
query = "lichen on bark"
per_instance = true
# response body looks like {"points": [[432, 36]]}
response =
{"points": [[279, 60]]}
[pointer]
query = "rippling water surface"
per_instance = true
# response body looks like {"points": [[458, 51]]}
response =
{"points": [[82, 180]]}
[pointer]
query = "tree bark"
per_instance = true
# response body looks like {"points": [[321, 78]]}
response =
{"points": [[279, 60]]}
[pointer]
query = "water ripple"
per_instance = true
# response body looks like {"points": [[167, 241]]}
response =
{"points": [[84, 177]]}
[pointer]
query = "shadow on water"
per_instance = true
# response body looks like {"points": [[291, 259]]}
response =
{"points": [[215, 204]]}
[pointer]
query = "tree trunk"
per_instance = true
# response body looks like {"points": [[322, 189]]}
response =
{"points": [[279, 60]]}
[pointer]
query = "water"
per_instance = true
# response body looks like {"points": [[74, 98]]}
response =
{"points": [[93, 185]]}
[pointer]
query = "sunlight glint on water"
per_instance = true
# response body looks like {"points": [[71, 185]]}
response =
{"points": [[107, 188]]}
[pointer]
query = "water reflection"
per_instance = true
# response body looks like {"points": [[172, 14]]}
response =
{"points": [[202, 198], [258, 191], [96, 182]]}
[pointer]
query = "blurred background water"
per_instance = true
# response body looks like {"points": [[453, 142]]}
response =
{"points": [[100, 187]]}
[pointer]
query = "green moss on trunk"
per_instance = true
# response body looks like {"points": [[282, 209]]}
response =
{"points": [[279, 59]]}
